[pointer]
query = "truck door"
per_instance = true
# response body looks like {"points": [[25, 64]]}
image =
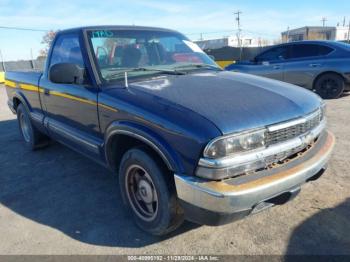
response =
{"points": [[71, 109]]}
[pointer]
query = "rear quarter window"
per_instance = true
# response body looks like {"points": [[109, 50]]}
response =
{"points": [[309, 50]]}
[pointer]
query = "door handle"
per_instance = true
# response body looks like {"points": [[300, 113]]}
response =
{"points": [[314, 65], [46, 92]]}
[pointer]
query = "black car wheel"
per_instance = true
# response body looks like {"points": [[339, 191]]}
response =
{"points": [[32, 137], [149, 193], [329, 86]]}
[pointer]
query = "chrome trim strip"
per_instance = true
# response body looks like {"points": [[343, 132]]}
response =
{"points": [[298, 121], [240, 159], [68, 134], [37, 117], [286, 124]]}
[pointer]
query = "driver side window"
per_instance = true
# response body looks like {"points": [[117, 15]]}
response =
{"points": [[273, 54], [67, 50]]}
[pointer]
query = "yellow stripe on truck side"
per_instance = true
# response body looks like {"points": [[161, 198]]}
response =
{"points": [[31, 88], [73, 98], [34, 88], [2, 77], [9, 83]]}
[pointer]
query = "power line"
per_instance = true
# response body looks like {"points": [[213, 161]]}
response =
{"points": [[23, 29]]}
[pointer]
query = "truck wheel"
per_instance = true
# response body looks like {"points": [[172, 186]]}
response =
{"points": [[32, 137], [329, 86], [149, 193]]}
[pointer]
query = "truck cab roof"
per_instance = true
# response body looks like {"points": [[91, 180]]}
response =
{"points": [[115, 27]]}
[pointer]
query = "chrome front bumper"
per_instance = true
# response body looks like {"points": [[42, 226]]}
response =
{"points": [[247, 193]]}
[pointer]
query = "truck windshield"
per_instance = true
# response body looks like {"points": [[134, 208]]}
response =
{"points": [[153, 52]]}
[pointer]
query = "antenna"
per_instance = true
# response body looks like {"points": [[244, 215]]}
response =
{"points": [[126, 79]]}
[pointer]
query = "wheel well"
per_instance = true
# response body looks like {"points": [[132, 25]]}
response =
{"points": [[121, 143], [324, 73], [16, 103]]}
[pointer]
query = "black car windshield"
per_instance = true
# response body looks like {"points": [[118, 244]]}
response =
{"points": [[153, 52]]}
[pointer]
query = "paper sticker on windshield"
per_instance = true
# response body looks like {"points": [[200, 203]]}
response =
{"points": [[102, 33], [194, 47]]}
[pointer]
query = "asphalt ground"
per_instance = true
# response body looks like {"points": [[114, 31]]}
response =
{"points": [[55, 201]]}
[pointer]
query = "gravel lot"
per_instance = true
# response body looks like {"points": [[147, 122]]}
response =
{"points": [[54, 201]]}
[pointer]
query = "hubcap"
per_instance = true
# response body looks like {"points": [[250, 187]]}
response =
{"points": [[25, 128], [141, 193], [329, 86]]}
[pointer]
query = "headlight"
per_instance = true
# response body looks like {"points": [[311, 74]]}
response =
{"points": [[237, 143]]}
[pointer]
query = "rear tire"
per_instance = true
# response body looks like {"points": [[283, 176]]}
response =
{"points": [[148, 191], [32, 137], [329, 86]]}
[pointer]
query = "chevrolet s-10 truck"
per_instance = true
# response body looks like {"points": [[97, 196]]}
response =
{"points": [[186, 139]]}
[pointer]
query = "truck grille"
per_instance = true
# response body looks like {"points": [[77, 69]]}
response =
{"points": [[286, 132]]}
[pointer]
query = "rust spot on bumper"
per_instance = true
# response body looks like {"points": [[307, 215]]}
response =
{"points": [[222, 186]]}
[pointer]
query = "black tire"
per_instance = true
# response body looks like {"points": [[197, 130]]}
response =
{"points": [[32, 137], [329, 86], [155, 188]]}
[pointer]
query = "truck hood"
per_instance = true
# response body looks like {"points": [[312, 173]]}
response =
{"points": [[232, 101]]}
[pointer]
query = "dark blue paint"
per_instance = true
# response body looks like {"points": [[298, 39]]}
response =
{"points": [[179, 114]]}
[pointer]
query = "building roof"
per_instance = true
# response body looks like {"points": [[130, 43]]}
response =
{"points": [[310, 28]]}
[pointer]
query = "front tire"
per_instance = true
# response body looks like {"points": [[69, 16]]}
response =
{"points": [[32, 137], [149, 193], [329, 86]]}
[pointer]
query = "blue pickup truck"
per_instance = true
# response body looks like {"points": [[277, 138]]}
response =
{"points": [[186, 139]]}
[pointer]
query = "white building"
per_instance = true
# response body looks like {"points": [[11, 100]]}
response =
{"points": [[232, 41], [338, 33]]}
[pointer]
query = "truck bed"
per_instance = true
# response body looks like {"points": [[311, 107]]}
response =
{"points": [[31, 77], [24, 85]]}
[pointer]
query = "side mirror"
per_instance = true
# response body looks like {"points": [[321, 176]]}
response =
{"points": [[212, 57], [66, 73]]}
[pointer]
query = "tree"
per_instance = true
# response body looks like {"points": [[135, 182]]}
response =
{"points": [[46, 40]]}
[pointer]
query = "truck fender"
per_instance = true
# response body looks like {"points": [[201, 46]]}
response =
{"points": [[21, 97], [147, 136]]}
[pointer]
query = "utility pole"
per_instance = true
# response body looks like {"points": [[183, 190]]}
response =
{"points": [[323, 20], [238, 19], [2, 62], [288, 34], [348, 33], [201, 37], [344, 21], [31, 58]]}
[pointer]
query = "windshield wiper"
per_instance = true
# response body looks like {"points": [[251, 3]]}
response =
{"points": [[121, 72]]}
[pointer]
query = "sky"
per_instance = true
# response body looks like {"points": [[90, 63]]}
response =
{"points": [[214, 19]]}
